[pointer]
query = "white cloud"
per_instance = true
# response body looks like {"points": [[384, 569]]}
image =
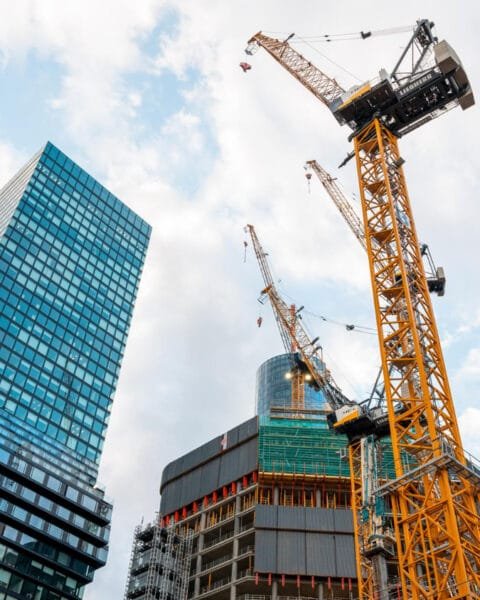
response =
{"points": [[185, 137], [10, 160], [469, 422], [471, 368], [135, 99]]}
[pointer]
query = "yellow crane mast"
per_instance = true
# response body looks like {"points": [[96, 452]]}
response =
{"points": [[437, 525]]}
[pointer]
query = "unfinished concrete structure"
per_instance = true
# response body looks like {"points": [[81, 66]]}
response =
{"points": [[268, 505]]}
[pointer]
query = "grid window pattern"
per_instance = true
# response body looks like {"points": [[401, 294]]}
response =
{"points": [[70, 263], [62, 514], [37, 570]]}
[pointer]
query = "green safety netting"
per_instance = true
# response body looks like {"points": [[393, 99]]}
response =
{"points": [[304, 446], [301, 446]]}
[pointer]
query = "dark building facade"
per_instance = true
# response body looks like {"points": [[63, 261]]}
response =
{"points": [[71, 256]]}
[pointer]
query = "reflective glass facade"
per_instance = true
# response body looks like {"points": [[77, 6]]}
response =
{"points": [[70, 262], [274, 390], [71, 256], [54, 530]]}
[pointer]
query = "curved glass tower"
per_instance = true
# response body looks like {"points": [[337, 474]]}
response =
{"points": [[274, 390]]}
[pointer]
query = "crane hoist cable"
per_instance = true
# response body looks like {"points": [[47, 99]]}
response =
{"points": [[354, 35], [347, 326], [330, 60]]}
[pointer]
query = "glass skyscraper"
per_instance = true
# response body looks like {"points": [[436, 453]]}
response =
{"points": [[71, 256]]}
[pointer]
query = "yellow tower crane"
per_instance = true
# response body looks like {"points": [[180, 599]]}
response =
{"points": [[374, 533], [437, 525]]}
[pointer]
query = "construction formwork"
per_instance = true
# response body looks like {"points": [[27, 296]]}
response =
{"points": [[301, 446], [309, 447], [233, 557], [159, 564]]}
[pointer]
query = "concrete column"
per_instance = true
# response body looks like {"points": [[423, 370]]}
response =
{"points": [[236, 528], [321, 595], [199, 555], [318, 498], [274, 590], [233, 587], [238, 508], [276, 495]]}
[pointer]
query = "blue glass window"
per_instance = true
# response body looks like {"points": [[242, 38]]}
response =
{"points": [[70, 264]]}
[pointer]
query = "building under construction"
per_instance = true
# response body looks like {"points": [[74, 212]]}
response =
{"points": [[266, 507], [273, 510]]}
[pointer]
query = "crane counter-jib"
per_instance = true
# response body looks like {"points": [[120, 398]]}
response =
{"points": [[403, 101]]}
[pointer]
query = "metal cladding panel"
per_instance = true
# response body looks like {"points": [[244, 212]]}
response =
{"points": [[213, 448], [237, 462], [178, 467], [191, 485], [250, 457], [245, 458], [247, 429], [266, 551], [343, 520], [319, 519], [213, 474], [320, 554], [168, 500], [266, 516], [232, 437], [167, 473], [345, 556], [209, 450], [187, 462], [291, 553], [229, 465], [209, 477], [291, 517]]}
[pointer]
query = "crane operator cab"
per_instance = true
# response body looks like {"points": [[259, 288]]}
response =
{"points": [[405, 100]]}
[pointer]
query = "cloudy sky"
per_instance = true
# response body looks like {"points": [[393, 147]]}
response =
{"points": [[148, 96]]}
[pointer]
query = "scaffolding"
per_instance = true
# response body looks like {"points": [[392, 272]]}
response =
{"points": [[301, 446], [159, 564]]}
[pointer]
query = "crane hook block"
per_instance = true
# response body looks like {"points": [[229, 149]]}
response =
{"points": [[245, 66]]}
